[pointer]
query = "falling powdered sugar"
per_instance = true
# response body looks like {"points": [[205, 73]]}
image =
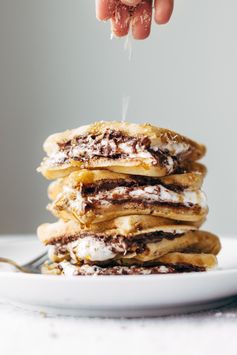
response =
{"points": [[125, 104], [128, 46]]}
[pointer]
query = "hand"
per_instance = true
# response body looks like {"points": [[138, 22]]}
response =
{"points": [[134, 13]]}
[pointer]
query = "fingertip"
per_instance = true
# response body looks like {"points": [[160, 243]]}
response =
{"points": [[120, 21], [141, 36], [162, 19], [118, 32], [141, 20], [163, 11], [104, 9]]}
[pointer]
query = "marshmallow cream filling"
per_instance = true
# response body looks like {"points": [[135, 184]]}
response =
{"points": [[93, 249], [61, 157], [147, 194], [72, 270], [155, 193], [112, 144], [87, 248]]}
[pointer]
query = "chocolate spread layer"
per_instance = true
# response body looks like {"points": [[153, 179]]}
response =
{"points": [[93, 202], [138, 270], [155, 236], [133, 181], [118, 244], [107, 145], [89, 205]]}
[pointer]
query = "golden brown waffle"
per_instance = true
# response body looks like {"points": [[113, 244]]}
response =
{"points": [[123, 146], [65, 268], [99, 195], [129, 202], [135, 245], [202, 260], [126, 226], [191, 180]]}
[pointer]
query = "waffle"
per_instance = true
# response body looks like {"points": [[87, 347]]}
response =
{"points": [[129, 201], [92, 196], [139, 149]]}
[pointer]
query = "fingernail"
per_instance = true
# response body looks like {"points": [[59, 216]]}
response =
{"points": [[131, 2]]}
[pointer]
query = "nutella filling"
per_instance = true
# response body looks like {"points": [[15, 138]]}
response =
{"points": [[71, 270], [133, 181], [142, 195], [100, 247], [115, 145], [155, 236]]}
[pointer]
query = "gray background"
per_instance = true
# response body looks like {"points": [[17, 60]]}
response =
{"points": [[59, 69]]}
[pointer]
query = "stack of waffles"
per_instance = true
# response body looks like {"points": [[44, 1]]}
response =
{"points": [[128, 201]]}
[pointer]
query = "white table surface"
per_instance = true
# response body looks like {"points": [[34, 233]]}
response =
{"points": [[25, 332]]}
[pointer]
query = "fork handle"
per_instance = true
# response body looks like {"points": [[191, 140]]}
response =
{"points": [[13, 263]]}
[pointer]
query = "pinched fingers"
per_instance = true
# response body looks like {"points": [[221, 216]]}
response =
{"points": [[134, 13]]}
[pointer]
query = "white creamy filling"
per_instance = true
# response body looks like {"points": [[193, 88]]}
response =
{"points": [[94, 249], [69, 189], [196, 198], [72, 270], [57, 158], [68, 268], [75, 203], [155, 193], [163, 269], [122, 148], [89, 269], [89, 248], [170, 164], [175, 148], [126, 148]]}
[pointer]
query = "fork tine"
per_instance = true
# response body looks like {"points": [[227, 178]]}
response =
{"points": [[40, 262], [37, 261]]}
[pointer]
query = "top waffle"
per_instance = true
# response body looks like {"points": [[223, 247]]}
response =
{"points": [[122, 147]]}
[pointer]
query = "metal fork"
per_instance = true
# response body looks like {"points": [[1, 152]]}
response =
{"points": [[32, 267]]}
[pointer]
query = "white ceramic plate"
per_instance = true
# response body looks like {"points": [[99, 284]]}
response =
{"points": [[116, 296]]}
